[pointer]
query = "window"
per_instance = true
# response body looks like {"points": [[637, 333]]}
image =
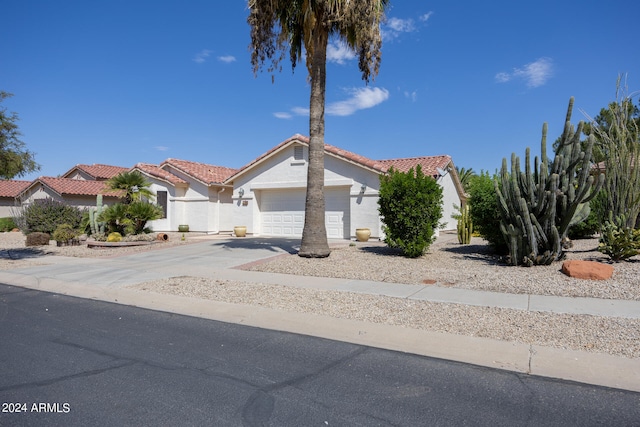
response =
{"points": [[298, 152], [162, 202]]}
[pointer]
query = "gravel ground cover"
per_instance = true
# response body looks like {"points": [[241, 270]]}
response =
{"points": [[470, 266], [447, 264]]}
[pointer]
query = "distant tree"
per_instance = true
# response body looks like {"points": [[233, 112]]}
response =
{"points": [[15, 160], [465, 176], [282, 28]]}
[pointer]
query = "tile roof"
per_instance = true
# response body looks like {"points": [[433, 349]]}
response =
{"points": [[98, 171], [156, 172], [429, 164], [76, 187], [338, 152], [207, 174], [12, 188]]}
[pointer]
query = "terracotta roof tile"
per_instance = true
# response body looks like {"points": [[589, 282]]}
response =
{"points": [[207, 174], [339, 152], [429, 164], [76, 187], [12, 188], [156, 172], [99, 171]]}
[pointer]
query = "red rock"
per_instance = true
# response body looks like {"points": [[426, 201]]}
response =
{"points": [[591, 270]]}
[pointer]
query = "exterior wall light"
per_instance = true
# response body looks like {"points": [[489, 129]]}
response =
{"points": [[241, 192], [363, 188]]}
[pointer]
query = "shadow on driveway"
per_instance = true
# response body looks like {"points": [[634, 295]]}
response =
{"points": [[22, 253], [291, 246]]}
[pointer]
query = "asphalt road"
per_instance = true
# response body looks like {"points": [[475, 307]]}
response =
{"points": [[72, 362]]}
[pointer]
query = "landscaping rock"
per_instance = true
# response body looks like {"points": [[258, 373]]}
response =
{"points": [[587, 270]]}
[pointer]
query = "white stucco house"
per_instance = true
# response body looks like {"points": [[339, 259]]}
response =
{"points": [[191, 193], [74, 192], [269, 192], [10, 196], [267, 195]]}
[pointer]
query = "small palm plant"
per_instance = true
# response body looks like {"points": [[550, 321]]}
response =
{"points": [[134, 185]]}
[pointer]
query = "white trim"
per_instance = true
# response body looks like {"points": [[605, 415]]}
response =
{"points": [[298, 184], [188, 199]]}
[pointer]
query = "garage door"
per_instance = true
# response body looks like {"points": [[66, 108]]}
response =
{"points": [[282, 213]]}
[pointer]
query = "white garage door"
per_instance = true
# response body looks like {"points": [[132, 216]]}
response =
{"points": [[282, 213]]}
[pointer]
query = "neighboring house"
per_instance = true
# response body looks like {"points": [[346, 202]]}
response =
{"points": [[94, 172], [74, 192], [190, 193], [269, 192], [9, 192]]}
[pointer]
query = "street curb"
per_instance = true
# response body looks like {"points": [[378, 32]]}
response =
{"points": [[591, 368]]}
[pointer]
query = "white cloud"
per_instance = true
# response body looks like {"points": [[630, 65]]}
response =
{"points": [[426, 16], [161, 148], [535, 74], [282, 115], [300, 111], [227, 58], [413, 96], [401, 25], [503, 77], [393, 27], [361, 99], [202, 56], [339, 53]]}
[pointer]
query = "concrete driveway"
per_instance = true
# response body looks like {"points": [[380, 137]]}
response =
{"points": [[201, 258]]}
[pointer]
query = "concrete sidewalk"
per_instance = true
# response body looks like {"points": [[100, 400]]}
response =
{"points": [[107, 280]]}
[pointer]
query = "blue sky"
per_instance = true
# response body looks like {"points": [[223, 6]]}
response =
{"points": [[121, 82]]}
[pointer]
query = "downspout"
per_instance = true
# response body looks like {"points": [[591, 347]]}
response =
{"points": [[217, 212]]}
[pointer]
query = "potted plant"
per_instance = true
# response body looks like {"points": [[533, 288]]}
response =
{"points": [[183, 228]]}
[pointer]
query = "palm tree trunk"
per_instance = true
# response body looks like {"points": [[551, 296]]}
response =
{"points": [[314, 234]]}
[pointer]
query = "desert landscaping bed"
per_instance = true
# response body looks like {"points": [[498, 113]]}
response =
{"points": [[470, 266]]}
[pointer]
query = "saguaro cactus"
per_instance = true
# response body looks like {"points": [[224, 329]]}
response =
{"points": [[94, 213], [465, 226], [538, 206]]}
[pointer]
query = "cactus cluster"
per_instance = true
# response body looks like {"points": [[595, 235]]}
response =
{"points": [[94, 213], [465, 226], [538, 206]]}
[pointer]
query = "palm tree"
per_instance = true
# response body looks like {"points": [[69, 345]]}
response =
{"points": [[465, 176], [279, 27], [134, 185]]}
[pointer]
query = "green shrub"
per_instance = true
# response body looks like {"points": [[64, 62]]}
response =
{"points": [[618, 241], [44, 215], [37, 239], [411, 207], [64, 233], [7, 224], [483, 209], [586, 228]]}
